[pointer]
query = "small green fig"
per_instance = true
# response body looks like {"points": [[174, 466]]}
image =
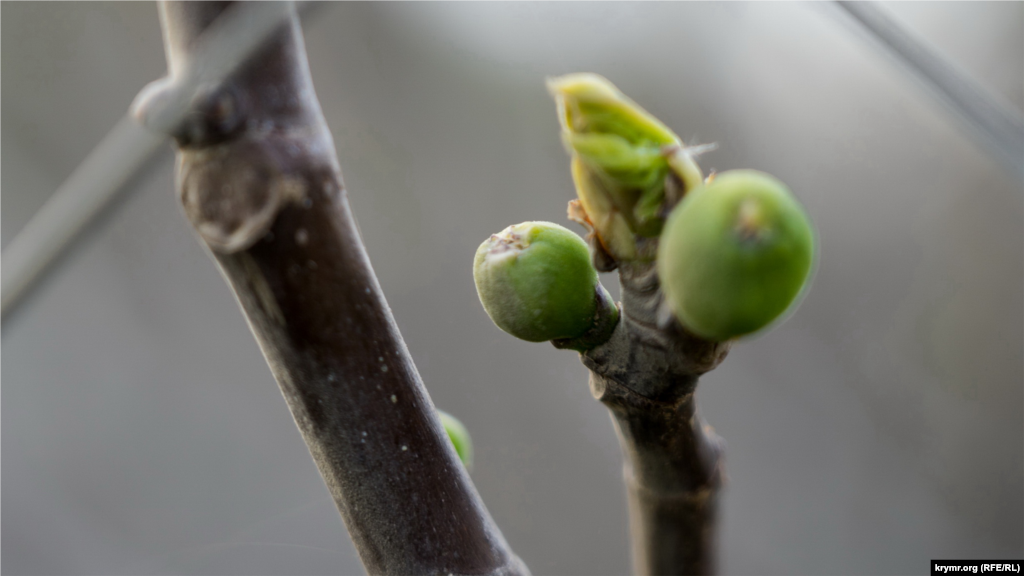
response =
{"points": [[459, 436], [735, 254], [536, 282]]}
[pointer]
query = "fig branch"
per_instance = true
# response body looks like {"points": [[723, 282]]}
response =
{"points": [[701, 262], [259, 180]]}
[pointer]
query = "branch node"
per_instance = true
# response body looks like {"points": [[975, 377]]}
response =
{"points": [[232, 193]]}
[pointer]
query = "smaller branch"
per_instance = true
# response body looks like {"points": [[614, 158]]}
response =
{"points": [[630, 170], [646, 374], [673, 472], [631, 174]]}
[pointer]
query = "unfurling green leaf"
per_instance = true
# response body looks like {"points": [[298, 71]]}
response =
{"points": [[622, 158]]}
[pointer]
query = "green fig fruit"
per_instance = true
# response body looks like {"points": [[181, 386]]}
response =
{"points": [[459, 436], [536, 282], [735, 254]]}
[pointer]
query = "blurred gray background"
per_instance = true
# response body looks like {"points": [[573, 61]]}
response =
{"points": [[880, 427]]}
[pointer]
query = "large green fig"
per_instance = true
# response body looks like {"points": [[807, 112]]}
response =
{"points": [[735, 254], [536, 282]]}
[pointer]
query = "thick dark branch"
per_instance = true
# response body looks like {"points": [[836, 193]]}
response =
{"points": [[260, 182], [647, 375]]}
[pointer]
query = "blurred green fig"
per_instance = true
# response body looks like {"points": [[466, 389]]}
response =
{"points": [[459, 436], [735, 254], [536, 282]]}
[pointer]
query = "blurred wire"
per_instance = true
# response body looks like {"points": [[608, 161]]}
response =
{"points": [[90, 188], [223, 47], [128, 147], [999, 127]]}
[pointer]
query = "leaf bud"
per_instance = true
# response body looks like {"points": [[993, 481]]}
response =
{"points": [[622, 159]]}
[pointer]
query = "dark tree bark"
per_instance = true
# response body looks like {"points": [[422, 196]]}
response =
{"points": [[259, 179], [646, 374]]}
